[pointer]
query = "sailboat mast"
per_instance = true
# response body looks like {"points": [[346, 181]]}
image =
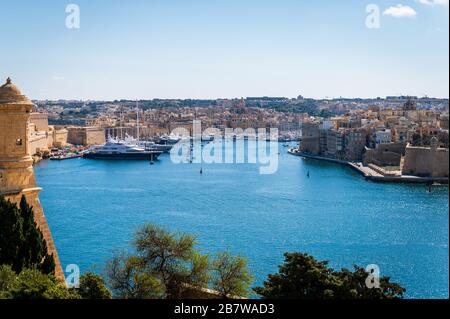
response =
{"points": [[121, 123], [137, 120]]}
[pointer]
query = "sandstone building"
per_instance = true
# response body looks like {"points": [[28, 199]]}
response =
{"points": [[16, 170], [42, 137], [86, 136]]}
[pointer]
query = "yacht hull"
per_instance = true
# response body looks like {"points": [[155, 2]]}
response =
{"points": [[140, 156]]}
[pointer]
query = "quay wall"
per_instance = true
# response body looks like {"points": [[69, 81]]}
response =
{"points": [[374, 176]]}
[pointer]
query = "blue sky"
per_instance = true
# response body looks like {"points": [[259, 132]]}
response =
{"points": [[225, 48]]}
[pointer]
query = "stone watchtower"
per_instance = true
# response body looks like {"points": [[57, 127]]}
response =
{"points": [[16, 165]]}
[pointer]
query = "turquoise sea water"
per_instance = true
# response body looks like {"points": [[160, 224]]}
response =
{"points": [[93, 208]]}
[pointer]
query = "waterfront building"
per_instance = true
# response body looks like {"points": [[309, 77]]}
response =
{"points": [[16, 170], [310, 140], [355, 144], [335, 144]]}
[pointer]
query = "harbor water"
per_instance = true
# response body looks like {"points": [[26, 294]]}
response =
{"points": [[93, 208]]}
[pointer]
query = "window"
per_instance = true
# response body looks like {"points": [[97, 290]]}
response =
{"points": [[19, 142]]}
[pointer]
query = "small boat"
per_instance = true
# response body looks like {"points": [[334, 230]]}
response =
{"points": [[207, 138], [436, 184], [65, 157]]}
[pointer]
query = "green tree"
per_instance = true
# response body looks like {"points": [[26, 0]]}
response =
{"points": [[171, 259], [300, 277], [22, 244], [92, 286], [353, 286], [7, 280], [129, 280], [230, 275], [33, 250], [168, 265], [32, 284], [303, 277], [10, 234]]}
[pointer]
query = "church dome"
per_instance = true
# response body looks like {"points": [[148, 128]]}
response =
{"points": [[10, 93]]}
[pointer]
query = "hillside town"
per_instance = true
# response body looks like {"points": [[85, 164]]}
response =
{"points": [[390, 141], [393, 136]]}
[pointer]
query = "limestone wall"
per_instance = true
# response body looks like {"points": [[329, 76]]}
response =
{"points": [[76, 136], [95, 136], [426, 162], [385, 155], [40, 120], [60, 137], [86, 136], [40, 142]]}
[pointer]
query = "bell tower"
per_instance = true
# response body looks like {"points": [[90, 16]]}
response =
{"points": [[16, 164]]}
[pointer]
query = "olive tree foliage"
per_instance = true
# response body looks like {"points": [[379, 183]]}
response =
{"points": [[128, 280], [230, 275], [164, 266], [168, 265]]}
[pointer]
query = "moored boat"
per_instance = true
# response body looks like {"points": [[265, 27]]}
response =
{"points": [[119, 150]]}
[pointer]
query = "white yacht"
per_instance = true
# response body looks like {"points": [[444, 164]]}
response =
{"points": [[168, 140], [121, 150], [147, 145]]}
